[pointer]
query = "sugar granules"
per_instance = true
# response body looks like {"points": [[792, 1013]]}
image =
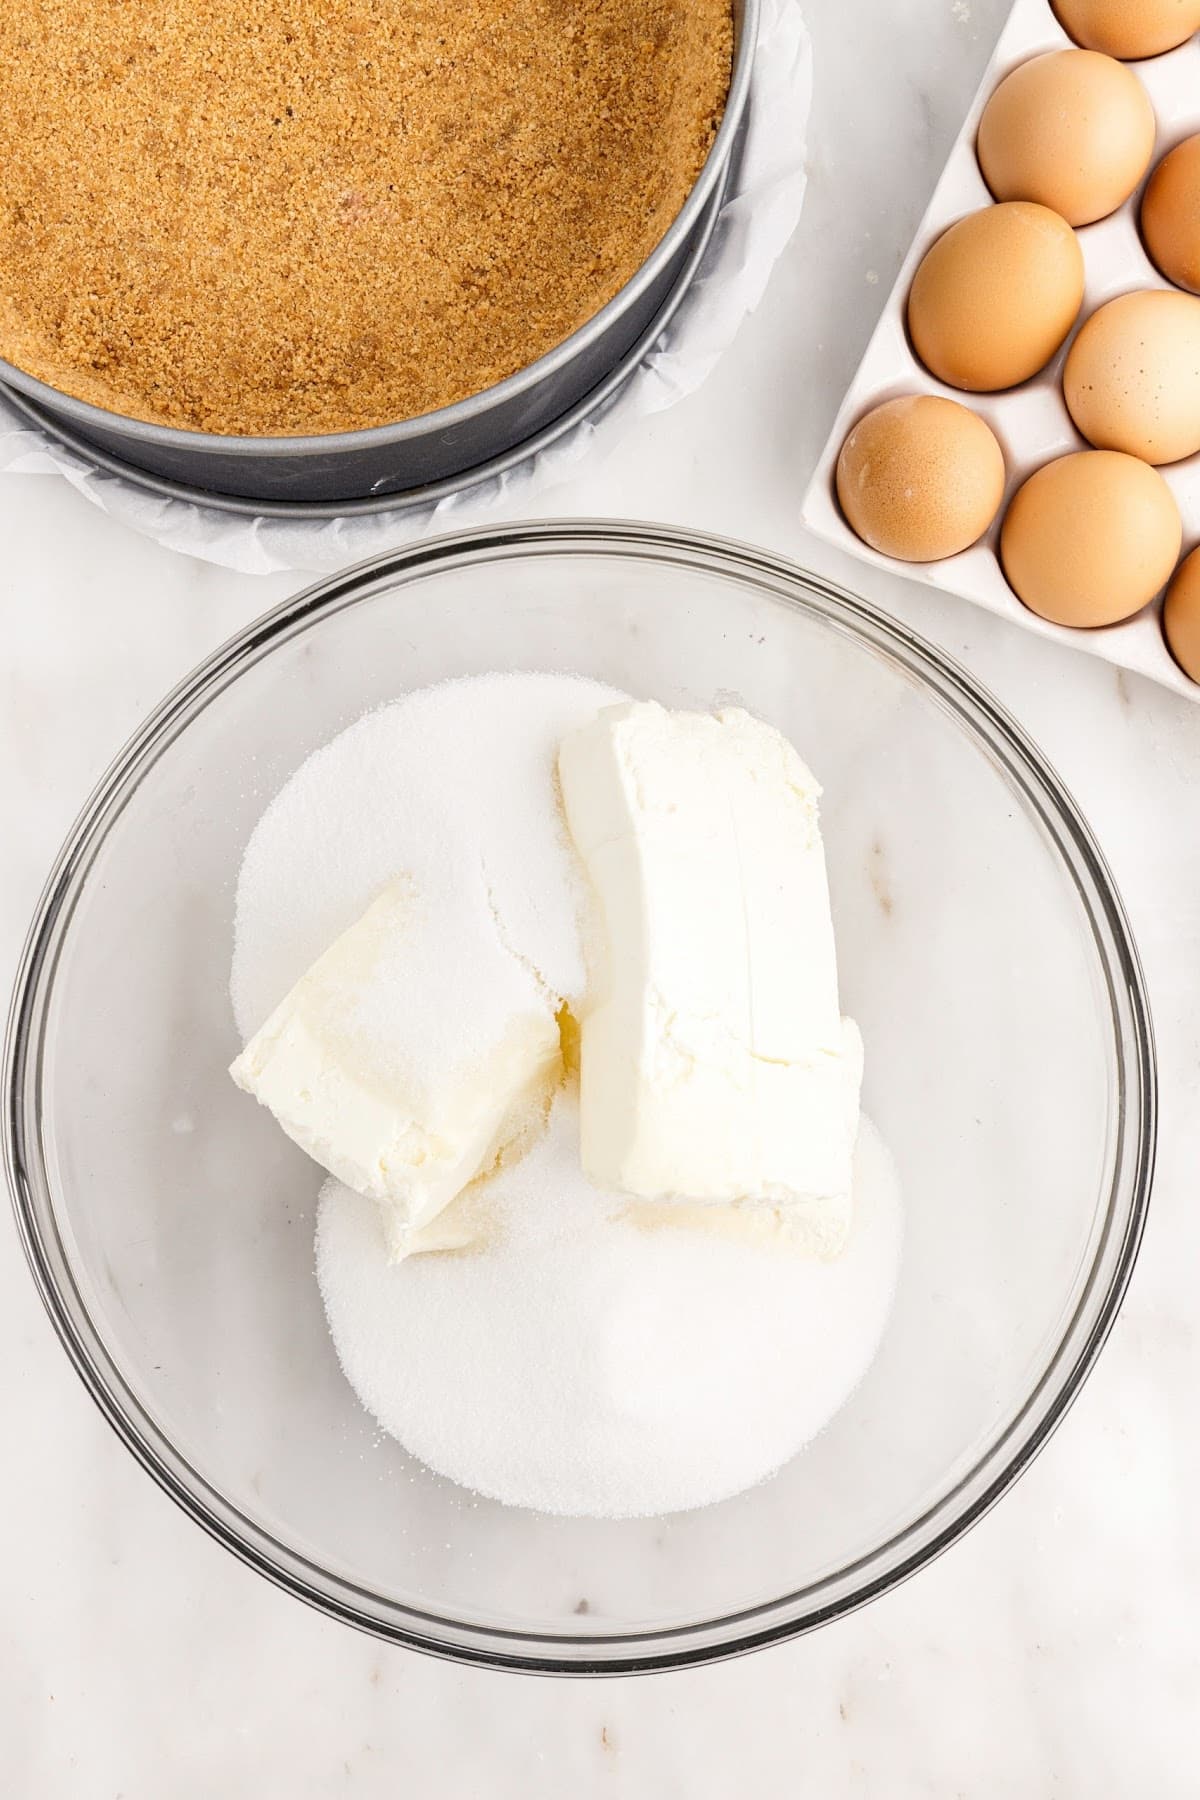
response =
{"points": [[577, 1364], [451, 788]]}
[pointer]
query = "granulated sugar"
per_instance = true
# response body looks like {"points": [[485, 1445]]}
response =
{"points": [[451, 787], [578, 1364]]}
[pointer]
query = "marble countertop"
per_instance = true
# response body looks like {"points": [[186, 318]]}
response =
{"points": [[1056, 1650]]}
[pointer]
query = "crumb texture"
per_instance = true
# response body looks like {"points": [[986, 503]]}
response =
{"points": [[260, 218]]}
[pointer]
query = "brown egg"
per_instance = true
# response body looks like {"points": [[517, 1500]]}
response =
{"points": [[1090, 538], [1129, 29], [1181, 616], [1132, 377], [920, 478], [1072, 129], [1171, 215], [995, 296]]}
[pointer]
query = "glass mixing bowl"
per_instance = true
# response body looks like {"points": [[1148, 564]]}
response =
{"points": [[983, 952]]}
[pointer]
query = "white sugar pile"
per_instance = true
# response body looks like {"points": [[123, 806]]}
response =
{"points": [[578, 1364], [452, 787], [574, 1363]]}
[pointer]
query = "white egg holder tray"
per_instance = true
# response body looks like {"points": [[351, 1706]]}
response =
{"points": [[1031, 421]]}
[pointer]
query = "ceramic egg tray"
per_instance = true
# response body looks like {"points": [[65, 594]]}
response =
{"points": [[1031, 421]]}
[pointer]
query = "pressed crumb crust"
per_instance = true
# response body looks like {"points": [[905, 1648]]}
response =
{"points": [[285, 216]]}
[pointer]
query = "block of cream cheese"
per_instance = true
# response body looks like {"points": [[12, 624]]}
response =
{"points": [[400, 1108], [715, 1065]]}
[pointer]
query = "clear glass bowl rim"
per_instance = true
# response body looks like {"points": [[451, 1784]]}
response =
{"points": [[595, 1650]]}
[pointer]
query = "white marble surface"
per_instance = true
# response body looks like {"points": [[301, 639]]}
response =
{"points": [[1056, 1651]]}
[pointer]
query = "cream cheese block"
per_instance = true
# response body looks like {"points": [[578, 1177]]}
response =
{"points": [[715, 1065], [351, 1069]]}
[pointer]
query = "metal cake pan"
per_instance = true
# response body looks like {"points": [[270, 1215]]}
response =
{"points": [[70, 438], [421, 454]]}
